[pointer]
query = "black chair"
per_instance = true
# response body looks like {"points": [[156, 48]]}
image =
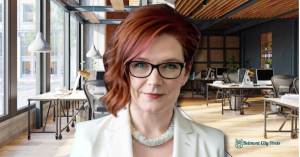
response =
{"points": [[281, 84], [96, 108], [296, 85]]}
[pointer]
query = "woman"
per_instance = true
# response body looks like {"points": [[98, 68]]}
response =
{"points": [[148, 59]]}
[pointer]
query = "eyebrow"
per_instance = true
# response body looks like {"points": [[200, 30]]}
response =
{"points": [[167, 60]]}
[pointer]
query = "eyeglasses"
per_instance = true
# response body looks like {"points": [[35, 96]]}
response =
{"points": [[169, 70]]}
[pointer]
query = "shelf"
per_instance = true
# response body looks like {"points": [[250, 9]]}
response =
{"points": [[266, 41], [266, 50]]}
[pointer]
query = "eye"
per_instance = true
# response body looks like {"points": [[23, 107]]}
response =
{"points": [[140, 64], [171, 66]]}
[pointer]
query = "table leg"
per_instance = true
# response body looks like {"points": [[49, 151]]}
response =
{"points": [[67, 106], [265, 122], [242, 108], [59, 106], [73, 113], [28, 120], [235, 100], [54, 112], [296, 132], [222, 102], [292, 124], [206, 95], [56, 119]]}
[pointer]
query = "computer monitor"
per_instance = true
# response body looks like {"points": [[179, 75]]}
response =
{"points": [[263, 76], [220, 72]]}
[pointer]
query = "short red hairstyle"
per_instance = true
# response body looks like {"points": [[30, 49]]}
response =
{"points": [[132, 37]]}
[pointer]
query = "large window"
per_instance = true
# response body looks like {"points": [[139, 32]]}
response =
{"points": [[57, 45], [26, 81], [2, 107], [28, 12], [74, 56]]}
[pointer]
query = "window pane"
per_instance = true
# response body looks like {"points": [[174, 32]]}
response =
{"points": [[26, 60], [2, 107], [73, 48], [28, 12], [57, 45]]}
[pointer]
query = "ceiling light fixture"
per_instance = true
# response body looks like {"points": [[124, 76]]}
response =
{"points": [[93, 53]]}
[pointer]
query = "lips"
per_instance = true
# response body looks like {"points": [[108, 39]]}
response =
{"points": [[153, 96]]}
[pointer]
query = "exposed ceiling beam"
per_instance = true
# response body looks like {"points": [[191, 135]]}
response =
{"points": [[118, 5], [65, 6], [106, 21], [254, 22], [99, 8], [241, 7]]}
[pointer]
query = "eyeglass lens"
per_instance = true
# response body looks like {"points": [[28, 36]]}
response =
{"points": [[166, 70]]}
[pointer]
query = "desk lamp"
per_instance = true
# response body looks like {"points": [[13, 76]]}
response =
{"points": [[210, 69], [246, 80], [83, 74]]}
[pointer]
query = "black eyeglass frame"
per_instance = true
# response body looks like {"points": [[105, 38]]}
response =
{"points": [[153, 66]]}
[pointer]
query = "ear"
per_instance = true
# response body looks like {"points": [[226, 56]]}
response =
{"points": [[188, 68]]}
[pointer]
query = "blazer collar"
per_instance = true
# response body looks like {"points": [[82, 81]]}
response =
{"points": [[118, 135], [119, 139], [185, 139]]}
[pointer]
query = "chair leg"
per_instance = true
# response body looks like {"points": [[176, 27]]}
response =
{"points": [[217, 95]]}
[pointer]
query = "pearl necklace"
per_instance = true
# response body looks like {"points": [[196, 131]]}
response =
{"points": [[167, 136]]}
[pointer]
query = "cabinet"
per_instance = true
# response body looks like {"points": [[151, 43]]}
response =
{"points": [[266, 49]]}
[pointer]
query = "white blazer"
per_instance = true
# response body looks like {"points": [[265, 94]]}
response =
{"points": [[111, 137]]}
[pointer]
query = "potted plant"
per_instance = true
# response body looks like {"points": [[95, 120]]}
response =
{"points": [[268, 64], [266, 46], [271, 47], [233, 67]]}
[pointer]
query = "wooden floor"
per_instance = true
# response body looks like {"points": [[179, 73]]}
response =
{"points": [[248, 127]]}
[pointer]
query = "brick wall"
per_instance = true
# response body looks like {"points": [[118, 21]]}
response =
{"points": [[110, 28]]}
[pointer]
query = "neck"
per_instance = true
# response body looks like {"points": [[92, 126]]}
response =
{"points": [[151, 125]]}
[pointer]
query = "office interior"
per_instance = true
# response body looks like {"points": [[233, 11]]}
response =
{"points": [[255, 32]]}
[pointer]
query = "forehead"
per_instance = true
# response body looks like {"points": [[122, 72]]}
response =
{"points": [[163, 48]]}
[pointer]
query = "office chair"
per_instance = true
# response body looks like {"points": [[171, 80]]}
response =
{"points": [[96, 108], [281, 84], [225, 77], [296, 85]]}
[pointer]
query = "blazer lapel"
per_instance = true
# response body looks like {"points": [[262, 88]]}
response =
{"points": [[118, 135], [185, 139]]}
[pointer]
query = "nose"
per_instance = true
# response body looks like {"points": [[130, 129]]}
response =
{"points": [[154, 79]]}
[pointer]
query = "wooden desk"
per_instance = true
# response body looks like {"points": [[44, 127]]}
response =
{"points": [[233, 86], [293, 113], [45, 97], [200, 79]]}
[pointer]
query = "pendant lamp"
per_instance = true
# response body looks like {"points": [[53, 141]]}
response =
{"points": [[39, 44], [93, 53]]}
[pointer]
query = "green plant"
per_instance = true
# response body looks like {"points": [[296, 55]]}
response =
{"points": [[270, 46], [94, 65], [84, 65], [233, 68], [268, 62], [266, 44]]}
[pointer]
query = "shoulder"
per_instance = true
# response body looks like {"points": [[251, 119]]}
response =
{"points": [[87, 136]]}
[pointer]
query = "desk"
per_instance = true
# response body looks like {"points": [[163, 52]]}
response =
{"points": [[200, 79], [71, 98], [45, 97], [294, 109], [231, 86]]}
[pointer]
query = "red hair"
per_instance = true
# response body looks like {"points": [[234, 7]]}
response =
{"points": [[132, 37]]}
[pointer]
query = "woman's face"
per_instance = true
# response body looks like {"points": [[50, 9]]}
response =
{"points": [[155, 94]]}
